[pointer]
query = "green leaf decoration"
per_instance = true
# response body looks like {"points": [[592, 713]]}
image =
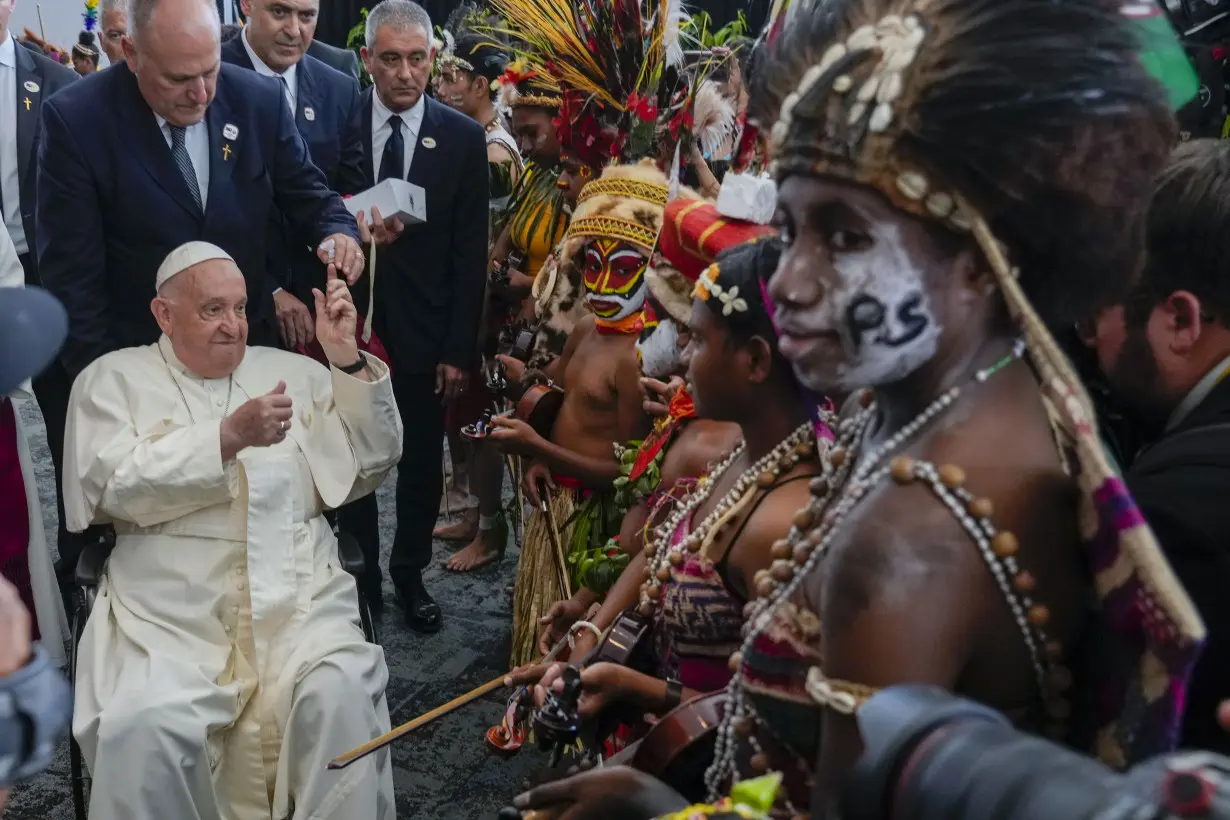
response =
{"points": [[356, 40], [757, 794]]}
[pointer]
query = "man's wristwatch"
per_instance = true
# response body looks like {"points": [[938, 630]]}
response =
{"points": [[351, 369]]}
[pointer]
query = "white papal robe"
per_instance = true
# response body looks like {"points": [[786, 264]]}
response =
{"points": [[224, 664]]}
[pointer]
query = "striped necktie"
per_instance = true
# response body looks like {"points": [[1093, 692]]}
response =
{"points": [[179, 152]]}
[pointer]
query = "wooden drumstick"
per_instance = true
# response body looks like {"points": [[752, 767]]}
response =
{"points": [[406, 728], [385, 739]]}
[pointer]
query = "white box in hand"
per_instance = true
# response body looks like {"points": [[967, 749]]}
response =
{"points": [[393, 197]]}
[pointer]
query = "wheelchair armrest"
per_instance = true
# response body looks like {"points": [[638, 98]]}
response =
{"points": [[92, 561], [350, 555]]}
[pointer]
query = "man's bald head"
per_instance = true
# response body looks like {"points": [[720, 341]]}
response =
{"points": [[203, 310], [174, 48]]}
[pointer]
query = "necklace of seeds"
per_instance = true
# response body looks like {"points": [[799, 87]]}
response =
{"points": [[762, 475], [815, 528]]}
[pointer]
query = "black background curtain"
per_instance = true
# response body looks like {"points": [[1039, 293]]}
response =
{"points": [[337, 17]]}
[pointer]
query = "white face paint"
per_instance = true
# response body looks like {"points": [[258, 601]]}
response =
{"points": [[661, 355], [879, 310]]}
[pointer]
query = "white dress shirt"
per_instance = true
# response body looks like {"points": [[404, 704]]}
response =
{"points": [[289, 87], [10, 169], [196, 140], [412, 123]]}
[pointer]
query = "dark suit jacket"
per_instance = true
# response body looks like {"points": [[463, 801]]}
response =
{"points": [[1180, 485], [46, 77], [430, 282], [339, 59], [335, 145], [112, 203]]}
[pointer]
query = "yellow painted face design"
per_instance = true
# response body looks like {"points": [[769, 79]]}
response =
{"points": [[614, 278]]}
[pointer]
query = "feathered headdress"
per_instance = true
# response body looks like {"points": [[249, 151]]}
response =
{"points": [[713, 117], [524, 83], [619, 67], [467, 19], [90, 15], [1034, 129]]}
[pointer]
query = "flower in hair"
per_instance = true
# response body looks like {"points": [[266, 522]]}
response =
{"points": [[706, 286]]}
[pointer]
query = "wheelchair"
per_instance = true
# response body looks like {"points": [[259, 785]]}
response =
{"points": [[90, 566]]}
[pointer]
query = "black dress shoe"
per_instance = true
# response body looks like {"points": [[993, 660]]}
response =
{"points": [[422, 612], [374, 596]]}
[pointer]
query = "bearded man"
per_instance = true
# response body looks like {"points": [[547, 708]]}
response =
{"points": [[224, 651], [1166, 355]]}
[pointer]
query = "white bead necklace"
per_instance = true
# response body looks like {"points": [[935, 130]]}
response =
{"points": [[661, 555], [816, 527]]}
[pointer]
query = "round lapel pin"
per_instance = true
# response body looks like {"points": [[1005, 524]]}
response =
{"points": [[428, 142]]}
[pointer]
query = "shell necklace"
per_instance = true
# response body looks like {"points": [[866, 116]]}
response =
{"points": [[846, 481], [762, 475]]}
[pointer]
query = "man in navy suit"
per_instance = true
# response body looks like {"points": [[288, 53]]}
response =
{"points": [[430, 280], [27, 79], [325, 105], [170, 147]]}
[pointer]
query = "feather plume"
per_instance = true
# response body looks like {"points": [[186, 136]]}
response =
{"points": [[623, 97], [714, 118]]}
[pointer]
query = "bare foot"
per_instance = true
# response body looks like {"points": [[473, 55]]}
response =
{"points": [[483, 550], [463, 530], [457, 500]]}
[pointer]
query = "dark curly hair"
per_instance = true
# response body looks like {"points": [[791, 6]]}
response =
{"points": [[1037, 112], [745, 267], [488, 59]]}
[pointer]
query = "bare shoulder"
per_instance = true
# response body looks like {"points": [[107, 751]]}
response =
{"points": [[697, 447], [897, 548]]}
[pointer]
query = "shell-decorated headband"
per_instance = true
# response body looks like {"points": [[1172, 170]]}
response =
{"points": [[448, 55], [871, 108]]}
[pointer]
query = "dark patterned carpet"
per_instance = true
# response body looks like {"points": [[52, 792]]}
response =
{"points": [[442, 771]]}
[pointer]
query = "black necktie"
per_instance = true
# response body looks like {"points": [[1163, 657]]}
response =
{"points": [[394, 153]]}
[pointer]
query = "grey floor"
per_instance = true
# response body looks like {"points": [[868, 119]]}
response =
{"points": [[442, 771]]}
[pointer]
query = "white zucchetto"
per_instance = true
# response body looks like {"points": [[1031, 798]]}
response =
{"points": [[184, 257]]}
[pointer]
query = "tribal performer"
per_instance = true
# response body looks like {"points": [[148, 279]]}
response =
{"points": [[467, 74], [530, 228], [952, 173], [681, 446], [623, 100], [699, 562]]}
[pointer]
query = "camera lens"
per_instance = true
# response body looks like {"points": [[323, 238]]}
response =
{"points": [[931, 756], [975, 770]]}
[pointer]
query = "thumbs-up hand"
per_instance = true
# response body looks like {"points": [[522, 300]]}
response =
{"points": [[258, 422], [336, 320]]}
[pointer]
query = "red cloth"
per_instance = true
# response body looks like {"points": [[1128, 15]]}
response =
{"points": [[14, 514], [694, 233], [375, 347]]}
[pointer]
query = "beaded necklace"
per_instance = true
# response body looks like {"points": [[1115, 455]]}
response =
{"points": [[815, 527], [762, 475]]}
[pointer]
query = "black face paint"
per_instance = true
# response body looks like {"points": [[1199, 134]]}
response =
{"points": [[866, 316]]}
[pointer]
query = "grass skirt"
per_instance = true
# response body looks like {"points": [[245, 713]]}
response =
{"points": [[537, 585]]}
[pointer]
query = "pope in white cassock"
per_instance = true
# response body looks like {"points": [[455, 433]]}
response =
{"points": [[223, 664]]}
